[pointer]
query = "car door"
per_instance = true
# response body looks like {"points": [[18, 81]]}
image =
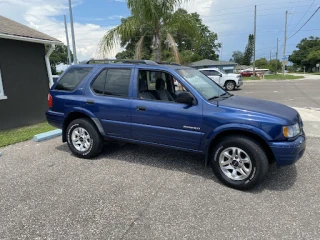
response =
{"points": [[165, 122], [108, 100]]}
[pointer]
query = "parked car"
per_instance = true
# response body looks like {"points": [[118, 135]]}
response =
{"points": [[247, 73], [228, 80], [137, 102]]}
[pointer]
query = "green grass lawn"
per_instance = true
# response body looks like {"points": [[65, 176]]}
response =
{"points": [[275, 77], [8, 137]]}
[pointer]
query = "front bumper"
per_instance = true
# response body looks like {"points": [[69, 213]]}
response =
{"points": [[240, 83], [287, 153]]}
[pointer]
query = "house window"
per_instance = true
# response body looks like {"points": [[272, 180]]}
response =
{"points": [[2, 96]]}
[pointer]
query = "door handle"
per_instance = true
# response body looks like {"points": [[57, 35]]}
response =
{"points": [[141, 108], [90, 101]]}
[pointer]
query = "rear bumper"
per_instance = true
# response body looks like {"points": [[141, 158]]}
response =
{"points": [[55, 119], [287, 153]]}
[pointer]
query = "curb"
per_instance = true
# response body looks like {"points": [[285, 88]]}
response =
{"points": [[47, 135]]}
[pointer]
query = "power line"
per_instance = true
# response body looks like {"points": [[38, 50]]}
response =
{"points": [[303, 15], [305, 23]]}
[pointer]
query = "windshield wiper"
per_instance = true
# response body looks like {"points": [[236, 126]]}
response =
{"points": [[215, 97], [229, 95]]}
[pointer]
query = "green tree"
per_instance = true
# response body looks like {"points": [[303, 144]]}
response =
{"points": [[314, 58], [154, 18], [207, 45], [262, 63], [307, 53], [248, 53], [59, 55], [274, 65], [238, 57]]}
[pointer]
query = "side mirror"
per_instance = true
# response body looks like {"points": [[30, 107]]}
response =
{"points": [[220, 75], [185, 97]]}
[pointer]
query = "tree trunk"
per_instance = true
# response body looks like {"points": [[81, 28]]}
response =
{"points": [[156, 46]]}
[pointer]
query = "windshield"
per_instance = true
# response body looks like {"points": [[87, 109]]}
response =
{"points": [[222, 71], [204, 85]]}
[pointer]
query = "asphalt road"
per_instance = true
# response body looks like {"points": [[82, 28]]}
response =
{"points": [[139, 192], [295, 93]]}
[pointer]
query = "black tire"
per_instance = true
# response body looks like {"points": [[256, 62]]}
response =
{"points": [[230, 85], [259, 162], [95, 139]]}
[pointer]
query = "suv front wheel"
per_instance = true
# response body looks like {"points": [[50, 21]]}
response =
{"points": [[239, 162], [230, 85], [83, 138]]}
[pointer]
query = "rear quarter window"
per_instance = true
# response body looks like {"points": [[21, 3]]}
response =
{"points": [[71, 80]]}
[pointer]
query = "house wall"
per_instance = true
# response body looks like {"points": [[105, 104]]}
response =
{"points": [[25, 83]]}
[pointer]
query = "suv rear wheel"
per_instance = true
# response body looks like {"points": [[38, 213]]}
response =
{"points": [[83, 138], [239, 162]]}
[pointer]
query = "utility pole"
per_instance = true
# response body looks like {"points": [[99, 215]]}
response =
{"points": [[67, 37], [254, 40], [277, 56], [220, 57], [72, 34], [285, 43]]}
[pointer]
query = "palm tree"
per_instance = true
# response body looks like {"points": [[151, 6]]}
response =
{"points": [[155, 18]]}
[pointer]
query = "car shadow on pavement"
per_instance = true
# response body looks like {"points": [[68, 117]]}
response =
{"points": [[277, 179]]}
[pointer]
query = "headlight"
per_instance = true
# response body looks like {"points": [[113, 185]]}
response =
{"points": [[291, 131]]}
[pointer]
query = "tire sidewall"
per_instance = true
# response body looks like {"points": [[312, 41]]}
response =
{"points": [[253, 177], [93, 141]]}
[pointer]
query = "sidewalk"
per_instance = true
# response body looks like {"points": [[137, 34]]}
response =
{"points": [[311, 120]]}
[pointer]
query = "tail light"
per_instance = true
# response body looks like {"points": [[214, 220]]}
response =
{"points": [[50, 101]]}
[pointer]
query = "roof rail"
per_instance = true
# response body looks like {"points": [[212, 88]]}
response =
{"points": [[169, 63], [107, 61]]}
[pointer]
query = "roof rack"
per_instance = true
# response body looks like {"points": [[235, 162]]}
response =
{"points": [[108, 61], [169, 63]]}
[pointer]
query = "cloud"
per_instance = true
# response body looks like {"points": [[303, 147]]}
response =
{"points": [[45, 16], [115, 17]]}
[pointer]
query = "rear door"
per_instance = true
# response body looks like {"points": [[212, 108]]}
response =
{"points": [[109, 100], [165, 122]]}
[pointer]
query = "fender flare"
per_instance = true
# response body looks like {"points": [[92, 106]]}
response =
{"points": [[85, 112], [236, 127]]}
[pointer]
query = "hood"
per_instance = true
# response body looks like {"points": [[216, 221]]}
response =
{"points": [[261, 106], [233, 74]]}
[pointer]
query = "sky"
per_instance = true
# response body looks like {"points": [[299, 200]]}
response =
{"points": [[232, 20]]}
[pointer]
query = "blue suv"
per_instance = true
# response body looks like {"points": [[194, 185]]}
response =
{"points": [[176, 107]]}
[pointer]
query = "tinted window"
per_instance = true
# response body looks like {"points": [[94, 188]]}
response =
{"points": [[210, 73], [99, 82], [72, 78], [112, 82]]}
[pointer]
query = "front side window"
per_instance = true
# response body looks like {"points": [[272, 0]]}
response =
{"points": [[2, 96], [205, 86], [113, 82], [71, 80]]}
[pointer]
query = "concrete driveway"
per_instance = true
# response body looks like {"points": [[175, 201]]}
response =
{"points": [[140, 192]]}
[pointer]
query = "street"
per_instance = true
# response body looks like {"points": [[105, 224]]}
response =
{"points": [[143, 192]]}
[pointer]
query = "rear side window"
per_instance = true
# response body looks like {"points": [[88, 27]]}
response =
{"points": [[71, 80], [210, 73], [112, 82]]}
